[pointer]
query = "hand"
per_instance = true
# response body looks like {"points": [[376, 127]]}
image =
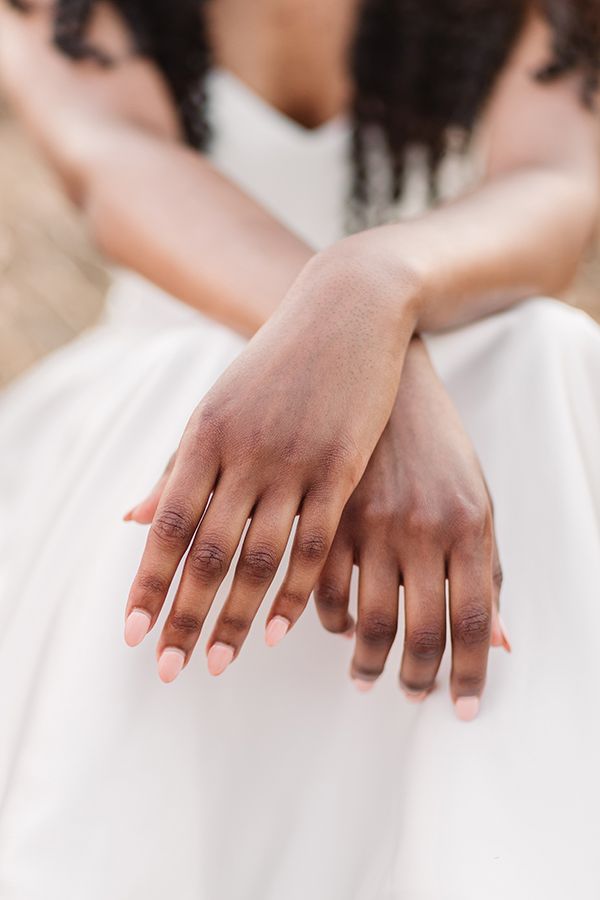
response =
{"points": [[287, 430], [131, 89], [420, 515]]}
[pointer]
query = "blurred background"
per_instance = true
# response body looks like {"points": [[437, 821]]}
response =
{"points": [[52, 282]]}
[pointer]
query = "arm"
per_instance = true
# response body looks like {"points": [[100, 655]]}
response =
{"points": [[330, 371], [523, 231], [110, 134], [329, 360]]}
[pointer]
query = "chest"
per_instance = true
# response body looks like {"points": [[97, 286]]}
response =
{"points": [[293, 53]]}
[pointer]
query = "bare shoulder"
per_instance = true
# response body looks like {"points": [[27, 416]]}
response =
{"points": [[132, 87], [528, 120]]}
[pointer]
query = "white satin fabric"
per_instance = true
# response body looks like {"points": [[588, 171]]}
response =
{"points": [[278, 781]]}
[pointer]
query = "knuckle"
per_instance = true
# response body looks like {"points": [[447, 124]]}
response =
{"points": [[471, 627], [313, 547], [339, 463], [151, 585], [258, 564], [331, 598], [185, 623], [207, 560], [469, 685], [376, 515], [415, 686], [423, 522], [209, 421], [291, 602], [234, 623], [204, 434], [470, 519], [425, 643], [366, 673], [172, 525], [376, 629]]}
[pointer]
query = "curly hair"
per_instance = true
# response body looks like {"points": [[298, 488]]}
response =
{"points": [[422, 69]]}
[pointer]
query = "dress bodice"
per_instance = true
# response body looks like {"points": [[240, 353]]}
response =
{"points": [[302, 176]]}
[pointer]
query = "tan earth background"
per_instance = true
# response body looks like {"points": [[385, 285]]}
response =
{"points": [[52, 282]]}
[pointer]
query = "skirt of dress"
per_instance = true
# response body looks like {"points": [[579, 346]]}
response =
{"points": [[279, 781]]}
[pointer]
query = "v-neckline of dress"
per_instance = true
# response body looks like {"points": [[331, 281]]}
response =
{"points": [[333, 126]]}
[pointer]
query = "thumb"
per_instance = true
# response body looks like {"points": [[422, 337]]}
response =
{"points": [[144, 511]]}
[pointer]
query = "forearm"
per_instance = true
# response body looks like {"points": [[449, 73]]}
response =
{"points": [[520, 235], [160, 208], [152, 204], [524, 230], [164, 211]]}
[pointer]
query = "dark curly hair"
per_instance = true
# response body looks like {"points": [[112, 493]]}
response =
{"points": [[422, 69]]}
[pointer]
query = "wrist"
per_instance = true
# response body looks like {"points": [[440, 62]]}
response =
{"points": [[361, 272], [419, 380]]}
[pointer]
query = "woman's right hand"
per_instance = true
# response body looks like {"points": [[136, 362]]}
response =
{"points": [[287, 430]]}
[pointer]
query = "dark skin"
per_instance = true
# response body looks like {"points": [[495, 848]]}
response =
{"points": [[335, 445], [291, 53], [401, 526]]}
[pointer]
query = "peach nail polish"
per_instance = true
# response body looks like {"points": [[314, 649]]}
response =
{"points": [[219, 657], [170, 664], [414, 696], [277, 629], [128, 517], [137, 626], [505, 639], [467, 708], [362, 685]]}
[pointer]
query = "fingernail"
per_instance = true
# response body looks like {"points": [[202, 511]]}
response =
{"points": [[170, 664], [414, 696], [505, 639], [130, 514], [362, 685], [467, 708], [219, 657], [350, 632], [137, 626], [276, 630]]}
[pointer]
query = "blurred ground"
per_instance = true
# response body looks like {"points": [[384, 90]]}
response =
{"points": [[52, 283]]}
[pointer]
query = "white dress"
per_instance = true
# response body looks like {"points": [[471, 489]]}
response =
{"points": [[279, 781]]}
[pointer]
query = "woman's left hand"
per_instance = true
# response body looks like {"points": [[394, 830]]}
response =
{"points": [[420, 515]]}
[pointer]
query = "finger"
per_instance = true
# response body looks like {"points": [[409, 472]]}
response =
{"points": [[332, 593], [262, 551], [319, 519], [499, 633], [425, 626], [180, 509], [377, 620], [143, 512], [471, 603], [206, 565]]}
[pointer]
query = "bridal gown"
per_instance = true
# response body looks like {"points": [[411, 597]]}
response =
{"points": [[278, 780]]}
